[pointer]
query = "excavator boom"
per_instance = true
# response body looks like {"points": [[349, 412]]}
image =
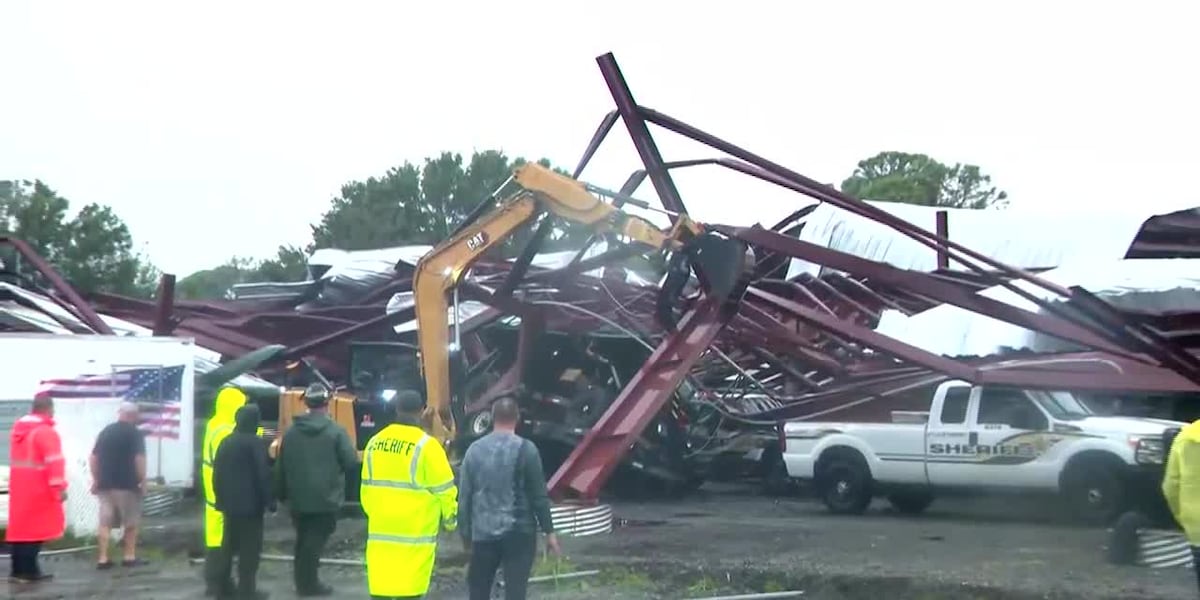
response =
{"points": [[439, 271]]}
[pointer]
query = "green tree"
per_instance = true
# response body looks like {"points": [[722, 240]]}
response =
{"points": [[406, 205], [93, 250], [411, 205], [919, 179], [290, 264], [214, 283], [34, 213]]}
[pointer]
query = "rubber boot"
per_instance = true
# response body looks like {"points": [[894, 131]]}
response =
{"points": [[213, 589]]}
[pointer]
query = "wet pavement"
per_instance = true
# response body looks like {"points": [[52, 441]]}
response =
{"points": [[722, 540]]}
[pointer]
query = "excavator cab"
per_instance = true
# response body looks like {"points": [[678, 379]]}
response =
{"points": [[378, 370]]}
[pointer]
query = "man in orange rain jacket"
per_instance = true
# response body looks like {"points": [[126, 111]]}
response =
{"points": [[37, 488]]}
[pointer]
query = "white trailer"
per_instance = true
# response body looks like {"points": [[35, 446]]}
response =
{"points": [[88, 376]]}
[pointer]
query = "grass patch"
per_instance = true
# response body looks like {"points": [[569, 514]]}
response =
{"points": [[552, 565], [771, 585], [704, 585], [626, 579], [67, 541]]}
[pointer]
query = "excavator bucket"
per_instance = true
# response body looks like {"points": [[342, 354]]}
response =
{"points": [[721, 263]]}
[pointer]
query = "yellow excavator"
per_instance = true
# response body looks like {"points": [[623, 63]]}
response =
{"points": [[440, 271]]}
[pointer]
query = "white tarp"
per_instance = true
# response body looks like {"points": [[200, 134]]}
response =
{"points": [[403, 300], [953, 331], [1025, 238]]}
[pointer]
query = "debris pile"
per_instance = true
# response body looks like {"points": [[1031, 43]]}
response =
{"points": [[821, 331]]}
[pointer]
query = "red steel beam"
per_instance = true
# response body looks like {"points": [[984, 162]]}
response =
{"points": [[794, 342], [1168, 353], [826, 193], [531, 327], [1152, 379], [1127, 376], [942, 223], [865, 336], [631, 114], [82, 309], [926, 285], [595, 457], [163, 320], [952, 250], [341, 335]]}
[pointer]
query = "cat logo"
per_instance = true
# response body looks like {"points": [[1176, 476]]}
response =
{"points": [[476, 241]]}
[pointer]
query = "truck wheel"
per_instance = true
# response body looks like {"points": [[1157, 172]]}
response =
{"points": [[910, 502], [1094, 492], [845, 485], [479, 423]]}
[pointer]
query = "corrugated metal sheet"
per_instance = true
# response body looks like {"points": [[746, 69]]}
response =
{"points": [[1020, 238], [1161, 549], [952, 331]]}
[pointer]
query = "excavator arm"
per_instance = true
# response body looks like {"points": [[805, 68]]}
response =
{"points": [[439, 271]]}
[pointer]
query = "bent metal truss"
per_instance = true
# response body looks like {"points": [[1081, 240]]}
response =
{"points": [[781, 348]]}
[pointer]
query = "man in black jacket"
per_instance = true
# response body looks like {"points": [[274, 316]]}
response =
{"points": [[242, 485], [310, 475]]}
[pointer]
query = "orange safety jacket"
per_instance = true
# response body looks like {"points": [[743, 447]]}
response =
{"points": [[36, 481]]}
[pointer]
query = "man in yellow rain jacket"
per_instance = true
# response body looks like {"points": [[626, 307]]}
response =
{"points": [[1181, 486], [219, 427], [408, 494]]}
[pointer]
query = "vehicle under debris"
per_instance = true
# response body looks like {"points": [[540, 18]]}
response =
{"points": [[637, 364]]}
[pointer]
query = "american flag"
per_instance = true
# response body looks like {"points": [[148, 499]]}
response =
{"points": [[156, 390]]}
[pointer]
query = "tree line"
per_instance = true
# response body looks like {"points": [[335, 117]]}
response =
{"points": [[409, 204]]}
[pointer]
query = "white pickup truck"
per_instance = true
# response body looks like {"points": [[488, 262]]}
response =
{"points": [[981, 439]]}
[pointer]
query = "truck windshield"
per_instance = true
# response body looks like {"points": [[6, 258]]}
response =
{"points": [[1061, 405]]}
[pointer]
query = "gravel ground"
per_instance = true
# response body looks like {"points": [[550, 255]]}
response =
{"points": [[722, 540]]}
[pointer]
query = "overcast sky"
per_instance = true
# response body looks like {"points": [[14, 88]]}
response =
{"points": [[226, 128]]}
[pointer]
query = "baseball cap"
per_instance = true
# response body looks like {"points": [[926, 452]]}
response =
{"points": [[409, 401], [316, 395]]}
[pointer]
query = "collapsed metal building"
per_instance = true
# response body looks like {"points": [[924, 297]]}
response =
{"points": [[610, 375]]}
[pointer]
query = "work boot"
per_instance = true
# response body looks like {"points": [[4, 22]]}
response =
{"points": [[27, 579], [317, 590], [226, 590]]}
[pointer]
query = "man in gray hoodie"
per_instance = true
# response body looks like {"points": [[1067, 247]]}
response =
{"points": [[502, 503], [310, 475]]}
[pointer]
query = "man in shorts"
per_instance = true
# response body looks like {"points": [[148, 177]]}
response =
{"points": [[118, 465]]}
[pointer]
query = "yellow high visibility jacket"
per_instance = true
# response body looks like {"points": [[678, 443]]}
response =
{"points": [[408, 494], [1181, 485], [229, 400]]}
